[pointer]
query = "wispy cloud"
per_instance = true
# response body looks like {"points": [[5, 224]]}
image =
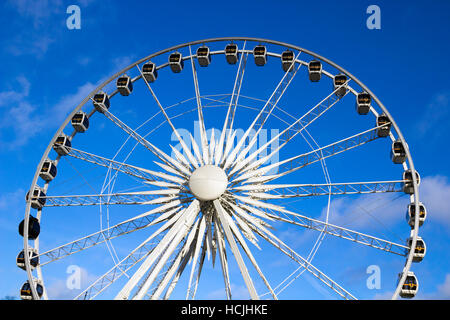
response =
{"points": [[436, 115]]}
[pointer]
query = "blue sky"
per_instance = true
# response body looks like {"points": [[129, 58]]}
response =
{"points": [[48, 69]]}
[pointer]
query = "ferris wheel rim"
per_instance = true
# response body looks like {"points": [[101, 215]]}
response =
{"points": [[414, 196]]}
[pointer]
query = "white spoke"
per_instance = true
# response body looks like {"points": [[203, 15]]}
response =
{"points": [[290, 132], [273, 101], [175, 131], [229, 118], [228, 234], [172, 238], [297, 162]]}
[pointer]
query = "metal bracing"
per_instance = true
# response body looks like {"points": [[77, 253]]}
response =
{"points": [[262, 191], [333, 230], [142, 173], [125, 227]]}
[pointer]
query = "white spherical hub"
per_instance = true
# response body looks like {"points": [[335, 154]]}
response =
{"points": [[208, 182]]}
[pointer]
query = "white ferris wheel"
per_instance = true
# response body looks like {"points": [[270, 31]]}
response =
{"points": [[205, 151]]}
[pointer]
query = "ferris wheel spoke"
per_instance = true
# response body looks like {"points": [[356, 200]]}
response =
{"points": [[288, 133], [171, 239], [141, 140], [273, 100], [148, 175], [290, 217], [192, 290], [221, 215], [162, 259], [300, 161], [196, 251], [326, 280], [121, 268], [203, 138], [231, 111], [185, 250], [175, 131], [137, 223], [235, 230], [219, 240]]}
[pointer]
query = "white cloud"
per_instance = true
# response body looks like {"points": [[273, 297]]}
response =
{"points": [[434, 193], [38, 11], [436, 113]]}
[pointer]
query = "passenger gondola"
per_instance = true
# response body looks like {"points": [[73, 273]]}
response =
{"points": [[48, 170], [149, 72], [410, 286], [176, 62], [340, 85], [62, 145], [231, 53], [384, 125], [287, 59], [315, 70], [124, 85], [398, 152], [203, 56], [34, 259], [363, 101], [408, 186], [260, 55], [101, 102], [27, 294], [80, 122], [38, 198], [34, 228], [411, 214], [420, 249]]}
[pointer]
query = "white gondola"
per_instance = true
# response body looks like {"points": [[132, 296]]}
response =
{"points": [[34, 259], [340, 85], [38, 198], [398, 152], [420, 249], [80, 121], [34, 228], [124, 85], [363, 101], [62, 145], [203, 56], [26, 293], [408, 184], [384, 125], [287, 58], [176, 62], [231, 53], [48, 170], [410, 286], [315, 70], [411, 214], [149, 71], [101, 102], [260, 55]]}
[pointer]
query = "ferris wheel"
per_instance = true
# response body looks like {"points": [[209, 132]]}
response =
{"points": [[191, 162]]}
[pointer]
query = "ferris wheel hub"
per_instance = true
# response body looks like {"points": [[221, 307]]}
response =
{"points": [[208, 182]]}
